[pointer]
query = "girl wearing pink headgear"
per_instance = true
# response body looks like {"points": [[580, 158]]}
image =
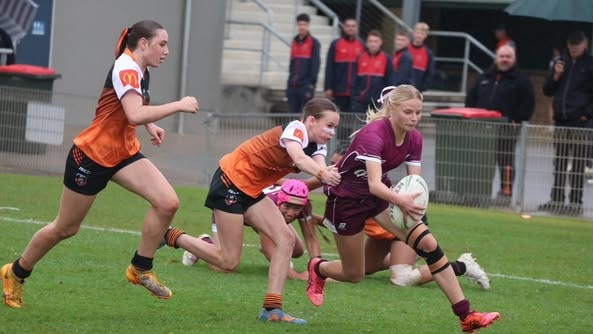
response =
{"points": [[292, 199]]}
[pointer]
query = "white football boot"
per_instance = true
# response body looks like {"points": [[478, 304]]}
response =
{"points": [[474, 272]]}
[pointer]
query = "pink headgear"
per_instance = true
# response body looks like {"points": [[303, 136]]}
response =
{"points": [[293, 192]]}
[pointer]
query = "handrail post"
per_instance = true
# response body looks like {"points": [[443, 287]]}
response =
{"points": [[518, 199], [329, 13], [464, 71], [264, 56], [266, 42]]}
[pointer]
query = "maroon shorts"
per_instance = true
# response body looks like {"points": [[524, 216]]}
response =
{"points": [[347, 215]]}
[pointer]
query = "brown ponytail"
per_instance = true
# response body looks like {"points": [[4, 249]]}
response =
{"points": [[122, 42], [129, 37]]}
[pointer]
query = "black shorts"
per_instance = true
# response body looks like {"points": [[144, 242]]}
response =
{"points": [[84, 176], [224, 196]]}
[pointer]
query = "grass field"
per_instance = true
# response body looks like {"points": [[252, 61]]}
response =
{"points": [[541, 271]]}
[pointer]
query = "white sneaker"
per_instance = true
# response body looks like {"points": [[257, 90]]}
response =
{"points": [[474, 272], [189, 259]]}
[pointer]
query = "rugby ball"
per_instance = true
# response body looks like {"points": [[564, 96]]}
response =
{"points": [[409, 185]]}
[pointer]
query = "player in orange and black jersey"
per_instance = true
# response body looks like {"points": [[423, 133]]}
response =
{"points": [[109, 150], [236, 195]]}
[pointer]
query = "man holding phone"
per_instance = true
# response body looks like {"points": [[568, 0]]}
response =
{"points": [[570, 82]]}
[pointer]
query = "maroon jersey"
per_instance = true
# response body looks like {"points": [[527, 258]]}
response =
{"points": [[374, 142]]}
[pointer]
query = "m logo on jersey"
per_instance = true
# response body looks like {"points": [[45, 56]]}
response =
{"points": [[129, 77], [299, 134]]}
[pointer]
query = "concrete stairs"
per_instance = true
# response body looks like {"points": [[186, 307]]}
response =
{"points": [[241, 64]]}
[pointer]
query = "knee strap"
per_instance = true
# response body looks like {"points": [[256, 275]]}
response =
{"points": [[436, 260], [416, 234]]}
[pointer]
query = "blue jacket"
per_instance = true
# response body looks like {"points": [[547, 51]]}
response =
{"points": [[402, 65], [423, 66], [372, 73], [341, 57], [304, 62]]}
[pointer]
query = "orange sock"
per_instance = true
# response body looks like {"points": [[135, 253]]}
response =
{"points": [[171, 236], [272, 301]]}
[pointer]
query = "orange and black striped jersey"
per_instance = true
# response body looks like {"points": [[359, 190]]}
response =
{"points": [[263, 159], [111, 138]]}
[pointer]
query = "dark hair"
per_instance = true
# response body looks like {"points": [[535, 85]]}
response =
{"points": [[341, 150], [316, 106], [502, 27], [129, 37], [375, 33], [303, 17], [575, 37]]}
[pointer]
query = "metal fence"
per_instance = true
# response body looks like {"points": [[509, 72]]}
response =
{"points": [[458, 163]]}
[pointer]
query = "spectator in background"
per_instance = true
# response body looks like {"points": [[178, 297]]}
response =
{"points": [[402, 59], [373, 71], [506, 89], [304, 66], [501, 33], [571, 85], [423, 63], [341, 59]]}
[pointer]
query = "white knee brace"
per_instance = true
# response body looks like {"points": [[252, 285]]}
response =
{"points": [[405, 275]]}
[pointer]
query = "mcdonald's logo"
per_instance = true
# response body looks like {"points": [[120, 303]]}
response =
{"points": [[129, 77], [299, 134]]}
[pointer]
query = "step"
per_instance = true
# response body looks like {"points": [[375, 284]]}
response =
{"points": [[276, 8], [276, 46], [254, 63], [257, 35], [257, 15], [274, 80], [284, 29]]}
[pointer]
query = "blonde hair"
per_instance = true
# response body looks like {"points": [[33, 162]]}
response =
{"points": [[392, 95], [422, 26]]}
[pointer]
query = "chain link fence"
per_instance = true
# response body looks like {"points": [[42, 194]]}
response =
{"points": [[459, 159]]}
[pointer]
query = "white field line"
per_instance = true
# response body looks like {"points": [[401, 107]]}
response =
{"points": [[117, 230]]}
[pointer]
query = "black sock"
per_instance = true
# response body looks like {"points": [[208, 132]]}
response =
{"points": [[458, 267], [317, 271], [19, 271], [142, 262]]}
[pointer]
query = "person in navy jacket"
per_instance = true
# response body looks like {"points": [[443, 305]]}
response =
{"points": [[304, 66], [570, 82], [402, 60], [423, 58], [341, 57], [372, 71]]}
